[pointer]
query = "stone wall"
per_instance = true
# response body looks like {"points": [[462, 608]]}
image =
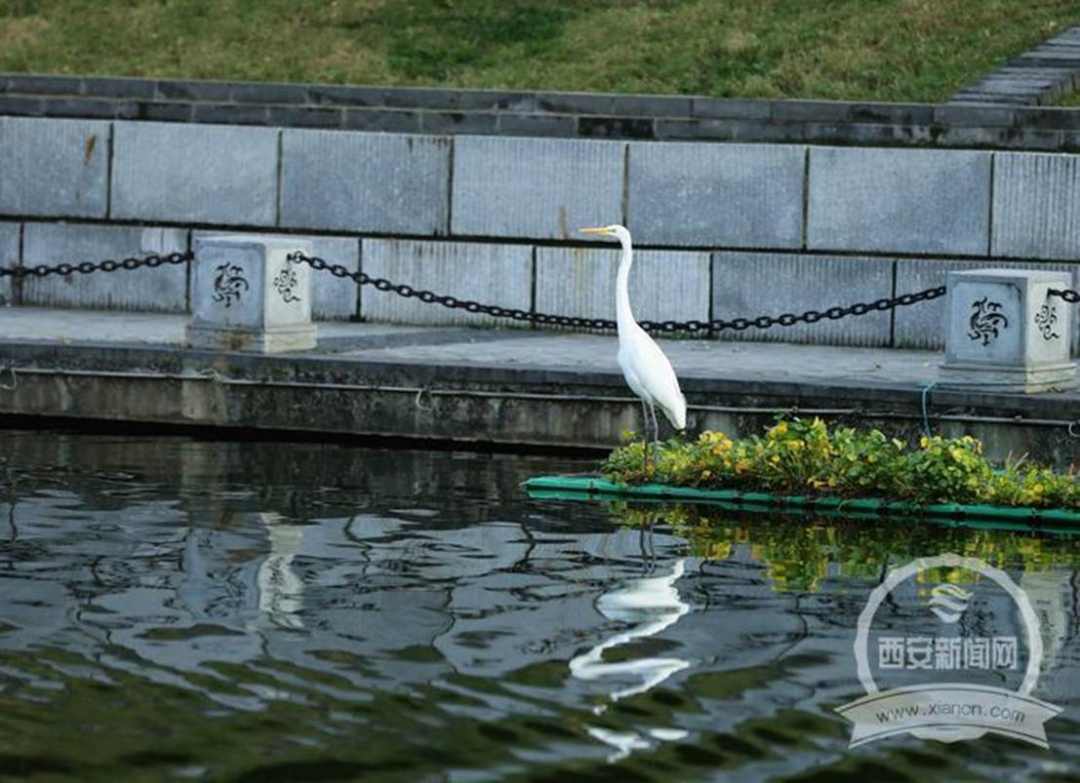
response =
{"points": [[726, 229]]}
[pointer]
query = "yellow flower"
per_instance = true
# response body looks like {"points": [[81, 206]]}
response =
{"points": [[742, 466], [778, 430], [775, 458], [924, 441]]}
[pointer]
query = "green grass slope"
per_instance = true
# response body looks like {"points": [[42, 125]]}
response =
{"points": [[893, 50]]}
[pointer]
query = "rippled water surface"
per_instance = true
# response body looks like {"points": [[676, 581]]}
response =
{"points": [[188, 610]]}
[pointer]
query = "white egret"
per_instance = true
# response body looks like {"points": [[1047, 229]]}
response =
{"points": [[645, 367]]}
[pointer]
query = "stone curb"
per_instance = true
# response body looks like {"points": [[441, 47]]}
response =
{"points": [[975, 118]]}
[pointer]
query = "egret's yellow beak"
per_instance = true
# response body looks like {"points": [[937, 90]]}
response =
{"points": [[600, 230]]}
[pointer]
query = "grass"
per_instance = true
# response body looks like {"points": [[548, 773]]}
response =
{"points": [[892, 50]]}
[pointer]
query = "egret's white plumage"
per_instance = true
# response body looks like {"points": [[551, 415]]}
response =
{"points": [[645, 367]]}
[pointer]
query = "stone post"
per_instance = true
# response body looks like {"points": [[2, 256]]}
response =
{"points": [[1006, 333], [247, 295]]}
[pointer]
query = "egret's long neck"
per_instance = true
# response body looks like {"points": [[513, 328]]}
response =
{"points": [[624, 318]]}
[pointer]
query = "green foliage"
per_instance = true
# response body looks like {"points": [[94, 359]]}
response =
{"points": [[799, 553], [801, 456]]}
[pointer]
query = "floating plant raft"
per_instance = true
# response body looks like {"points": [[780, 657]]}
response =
{"points": [[596, 488], [804, 466]]}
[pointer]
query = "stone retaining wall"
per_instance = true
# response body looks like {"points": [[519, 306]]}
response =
{"points": [[548, 114], [726, 230]]}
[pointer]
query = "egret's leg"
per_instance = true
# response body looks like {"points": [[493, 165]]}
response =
{"points": [[655, 427], [645, 425]]}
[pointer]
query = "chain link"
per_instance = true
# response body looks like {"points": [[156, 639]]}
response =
{"points": [[575, 322], [86, 267], [1070, 296]]}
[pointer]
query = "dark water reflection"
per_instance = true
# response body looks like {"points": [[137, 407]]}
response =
{"points": [[174, 609]]}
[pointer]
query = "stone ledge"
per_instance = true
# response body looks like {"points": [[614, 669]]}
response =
{"points": [[976, 117]]}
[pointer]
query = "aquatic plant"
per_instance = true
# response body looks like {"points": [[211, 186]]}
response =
{"points": [[805, 457]]}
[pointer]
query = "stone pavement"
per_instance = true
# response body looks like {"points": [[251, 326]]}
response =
{"points": [[509, 348], [513, 387]]}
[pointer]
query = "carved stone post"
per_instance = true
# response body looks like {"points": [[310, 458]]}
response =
{"points": [[1006, 333], [247, 295]]}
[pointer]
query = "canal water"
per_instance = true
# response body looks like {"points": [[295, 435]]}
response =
{"points": [[172, 608]]}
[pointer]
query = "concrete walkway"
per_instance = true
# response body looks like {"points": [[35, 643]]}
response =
{"points": [[510, 386], [506, 348]]}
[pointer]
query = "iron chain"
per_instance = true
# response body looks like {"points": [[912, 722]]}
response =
{"points": [[86, 267], [575, 322]]}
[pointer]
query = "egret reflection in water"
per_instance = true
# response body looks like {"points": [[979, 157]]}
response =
{"points": [[647, 605]]}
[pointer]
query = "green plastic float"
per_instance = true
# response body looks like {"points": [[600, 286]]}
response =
{"points": [[592, 488]]}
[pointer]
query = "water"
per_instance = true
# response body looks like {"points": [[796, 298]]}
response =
{"points": [[172, 609]]}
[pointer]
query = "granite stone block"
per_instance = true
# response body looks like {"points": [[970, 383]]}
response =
{"points": [[194, 173], [333, 298], [575, 102], [537, 125], [230, 113], [89, 108], [268, 92], [1050, 118], [652, 105], [21, 105], [179, 90], [345, 95], [365, 182], [736, 195], [730, 108], [922, 326], [896, 113], [164, 111], [488, 273], [868, 134], [306, 116], [382, 120], [454, 122], [162, 289], [1004, 330], [665, 285], [119, 87], [594, 127], [998, 116], [535, 188], [54, 167], [1036, 206], [748, 285], [31, 84], [1007, 138], [726, 129], [247, 295], [9, 257], [810, 111], [898, 200]]}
